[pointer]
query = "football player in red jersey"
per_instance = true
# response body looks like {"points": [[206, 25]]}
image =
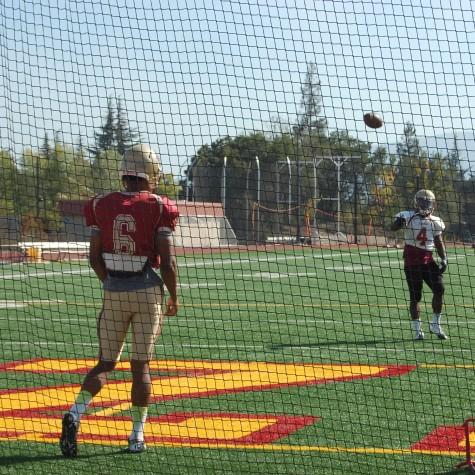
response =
{"points": [[422, 235], [131, 232]]}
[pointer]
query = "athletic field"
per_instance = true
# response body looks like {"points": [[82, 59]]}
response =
{"points": [[296, 361]]}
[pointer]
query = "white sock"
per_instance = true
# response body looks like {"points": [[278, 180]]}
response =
{"points": [[417, 326], [79, 407], [139, 417], [436, 319]]}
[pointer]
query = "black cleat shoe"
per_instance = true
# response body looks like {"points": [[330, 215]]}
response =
{"points": [[68, 441], [419, 336]]}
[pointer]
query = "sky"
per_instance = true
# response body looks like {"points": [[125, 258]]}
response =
{"points": [[191, 71]]}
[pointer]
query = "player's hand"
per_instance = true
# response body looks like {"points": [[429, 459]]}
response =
{"points": [[172, 307], [443, 265], [400, 222]]}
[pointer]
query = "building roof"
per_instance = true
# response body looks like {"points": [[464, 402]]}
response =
{"points": [[200, 208], [186, 208]]}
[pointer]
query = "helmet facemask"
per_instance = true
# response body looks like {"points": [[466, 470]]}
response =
{"points": [[424, 202]]}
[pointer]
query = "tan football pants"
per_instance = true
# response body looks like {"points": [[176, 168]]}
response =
{"points": [[141, 310]]}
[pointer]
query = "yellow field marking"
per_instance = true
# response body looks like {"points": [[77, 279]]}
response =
{"points": [[236, 376], [68, 365], [316, 448], [213, 432], [114, 432], [233, 376]]}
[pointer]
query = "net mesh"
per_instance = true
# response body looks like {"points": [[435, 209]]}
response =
{"points": [[293, 350]]}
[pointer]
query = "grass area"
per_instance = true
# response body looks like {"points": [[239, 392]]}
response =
{"points": [[268, 316]]}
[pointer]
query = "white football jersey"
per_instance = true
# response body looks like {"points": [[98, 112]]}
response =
{"points": [[420, 231]]}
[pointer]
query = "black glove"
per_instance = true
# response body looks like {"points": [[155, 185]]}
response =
{"points": [[400, 222], [443, 265]]}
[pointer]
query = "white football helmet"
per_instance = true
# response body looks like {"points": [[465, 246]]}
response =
{"points": [[141, 161], [424, 202]]}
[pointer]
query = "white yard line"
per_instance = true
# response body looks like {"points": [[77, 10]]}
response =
{"points": [[37, 274], [213, 263], [346, 347], [8, 304]]}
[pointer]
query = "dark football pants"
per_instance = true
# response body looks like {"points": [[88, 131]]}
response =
{"points": [[418, 274]]}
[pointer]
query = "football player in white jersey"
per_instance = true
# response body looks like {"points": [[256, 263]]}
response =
{"points": [[422, 235]]}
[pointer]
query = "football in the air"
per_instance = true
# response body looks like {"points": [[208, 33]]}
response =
{"points": [[373, 120]]}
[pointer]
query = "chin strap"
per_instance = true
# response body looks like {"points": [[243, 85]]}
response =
{"points": [[424, 213]]}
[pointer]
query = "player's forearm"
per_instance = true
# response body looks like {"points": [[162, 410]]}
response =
{"points": [[441, 251], [168, 272], [99, 267], [96, 260], [398, 224]]}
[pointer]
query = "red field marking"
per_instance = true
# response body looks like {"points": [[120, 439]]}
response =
{"points": [[178, 428], [184, 379], [33, 413], [444, 439]]}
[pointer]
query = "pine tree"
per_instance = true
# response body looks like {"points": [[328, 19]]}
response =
{"points": [[8, 179], [105, 139], [413, 166], [310, 121], [124, 135]]}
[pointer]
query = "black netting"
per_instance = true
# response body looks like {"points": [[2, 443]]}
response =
{"points": [[293, 350]]}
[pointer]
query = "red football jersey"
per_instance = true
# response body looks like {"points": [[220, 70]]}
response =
{"points": [[128, 223]]}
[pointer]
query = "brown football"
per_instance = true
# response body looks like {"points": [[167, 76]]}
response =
{"points": [[373, 120]]}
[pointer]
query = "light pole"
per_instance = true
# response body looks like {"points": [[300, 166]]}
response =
{"points": [[290, 190], [188, 181], [299, 186], [279, 165], [247, 201], [223, 187], [258, 199], [315, 188]]}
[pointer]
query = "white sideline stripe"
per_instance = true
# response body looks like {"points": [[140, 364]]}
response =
{"points": [[264, 348], [221, 322], [345, 268], [37, 274], [217, 263], [202, 285], [361, 267], [211, 262], [214, 263], [6, 304], [350, 267]]}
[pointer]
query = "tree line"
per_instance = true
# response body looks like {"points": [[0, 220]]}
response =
{"points": [[372, 183], [32, 185]]}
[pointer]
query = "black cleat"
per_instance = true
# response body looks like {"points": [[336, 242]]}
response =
{"points": [[68, 441], [419, 336]]}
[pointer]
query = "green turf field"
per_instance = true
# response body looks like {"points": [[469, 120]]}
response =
{"points": [[373, 400]]}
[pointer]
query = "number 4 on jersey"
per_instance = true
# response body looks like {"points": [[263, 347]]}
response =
{"points": [[422, 236]]}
